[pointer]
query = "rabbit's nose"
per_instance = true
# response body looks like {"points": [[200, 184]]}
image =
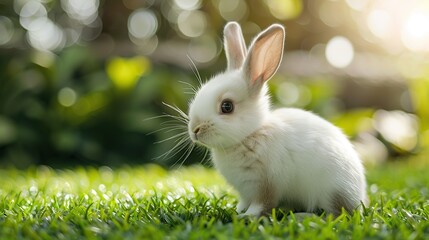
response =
{"points": [[197, 130]]}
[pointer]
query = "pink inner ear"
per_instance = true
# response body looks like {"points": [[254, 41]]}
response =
{"points": [[266, 57]]}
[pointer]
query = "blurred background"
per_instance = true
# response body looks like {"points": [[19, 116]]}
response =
{"points": [[81, 80]]}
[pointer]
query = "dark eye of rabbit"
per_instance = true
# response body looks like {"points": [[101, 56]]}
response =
{"points": [[227, 106]]}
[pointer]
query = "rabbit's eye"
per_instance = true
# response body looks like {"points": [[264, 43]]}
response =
{"points": [[227, 106]]}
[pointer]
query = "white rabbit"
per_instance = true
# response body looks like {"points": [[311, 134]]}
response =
{"points": [[283, 158]]}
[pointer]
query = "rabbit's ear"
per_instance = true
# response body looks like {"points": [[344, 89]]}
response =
{"points": [[265, 55], [235, 47]]}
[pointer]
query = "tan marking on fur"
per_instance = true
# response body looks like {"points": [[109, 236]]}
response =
{"points": [[248, 148], [266, 193], [266, 197], [256, 138], [339, 201], [251, 142]]}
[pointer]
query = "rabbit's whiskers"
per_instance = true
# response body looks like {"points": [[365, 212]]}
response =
{"points": [[183, 145]]}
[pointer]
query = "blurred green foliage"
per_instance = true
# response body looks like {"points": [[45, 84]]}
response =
{"points": [[91, 98], [105, 124]]}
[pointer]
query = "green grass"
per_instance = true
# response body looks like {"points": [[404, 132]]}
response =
{"points": [[149, 202]]}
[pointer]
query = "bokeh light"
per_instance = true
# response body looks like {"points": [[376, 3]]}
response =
{"points": [[381, 24], [232, 10], [48, 32], [124, 73], [142, 24], [30, 13], [358, 5], [415, 32], [291, 94], [192, 23], [188, 4], [85, 11], [325, 13], [92, 57], [339, 52], [170, 11], [284, 9], [398, 25], [67, 97], [288, 93], [204, 49], [371, 150], [7, 131], [6, 30], [397, 127], [45, 35]]}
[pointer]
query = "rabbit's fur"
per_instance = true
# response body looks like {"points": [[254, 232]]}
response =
{"points": [[287, 157]]}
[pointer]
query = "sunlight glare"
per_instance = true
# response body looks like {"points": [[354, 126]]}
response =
{"points": [[357, 5], [397, 127], [415, 32], [380, 23]]}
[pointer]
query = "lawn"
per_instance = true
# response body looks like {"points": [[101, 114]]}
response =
{"points": [[149, 202]]}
